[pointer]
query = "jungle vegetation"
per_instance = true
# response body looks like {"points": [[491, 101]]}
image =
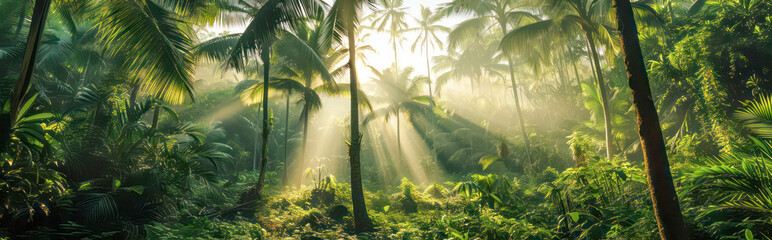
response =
{"points": [[386, 119]]}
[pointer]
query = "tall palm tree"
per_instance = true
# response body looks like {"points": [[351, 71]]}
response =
{"points": [[663, 195], [588, 17], [343, 20], [392, 19], [427, 37], [399, 90], [258, 39], [503, 14]]}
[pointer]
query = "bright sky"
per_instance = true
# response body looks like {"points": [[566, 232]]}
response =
{"points": [[384, 56]]}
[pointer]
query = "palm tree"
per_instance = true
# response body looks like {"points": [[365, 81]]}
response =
{"points": [[589, 18], [392, 19], [474, 61], [343, 20], [663, 195], [399, 90], [258, 38], [28, 66], [427, 37], [500, 13]]}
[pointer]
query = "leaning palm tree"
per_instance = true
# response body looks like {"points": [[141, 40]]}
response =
{"points": [[503, 14], [343, 20], [392, 19], [28, 66], [663, 195], [427, 37], [399, 90], [257, 39]]}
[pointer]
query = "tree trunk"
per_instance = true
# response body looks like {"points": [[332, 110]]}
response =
{"points": [[266, 56], [576, 71], [256, 145], [286, 132], [603, 96], [22, 15], [154, 128], [37, 27], [517, 102], [663, 195], [361, 219], [399, 138], [428, 67]]}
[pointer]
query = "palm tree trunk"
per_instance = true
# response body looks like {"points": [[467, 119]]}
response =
{"points": [[517, 101], [22, 15], [266, 56], [286, 132], [399, 138], [257, 141], [428, 67], [604, 98], [39, 15], [518, 110], [394, 45], [663, 195], [576, 71], [154, 128], [361, 219]]}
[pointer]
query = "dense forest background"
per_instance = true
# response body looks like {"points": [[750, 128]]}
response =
{"points": [[388, 119]]}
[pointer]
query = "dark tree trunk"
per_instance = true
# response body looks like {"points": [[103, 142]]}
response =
{"points": [[39, 15], [663, 195], [266, 55], [286, 132], [603, 96], [22, 15], [361, 219]]}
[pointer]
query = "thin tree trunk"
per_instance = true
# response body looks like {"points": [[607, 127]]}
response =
{"points": [[134, 93], [399, 138], [286, 132], [39, 15], [22, 15], [154, 128], [604, 98], [517, 102], [257, 140], [307, 114], [576, 71], [394, 45], [428, 67], [361, 219], [266, 55], [663, 195]]}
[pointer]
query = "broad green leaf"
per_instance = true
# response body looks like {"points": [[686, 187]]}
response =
{"points": [[487, 161]]}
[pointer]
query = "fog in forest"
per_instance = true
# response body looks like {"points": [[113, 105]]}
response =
{"points": [[385, 119]]}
